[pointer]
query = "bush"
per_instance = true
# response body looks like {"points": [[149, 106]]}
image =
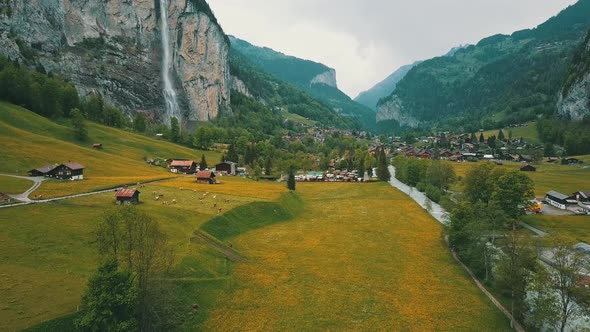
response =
{"points": [[433, 193]]}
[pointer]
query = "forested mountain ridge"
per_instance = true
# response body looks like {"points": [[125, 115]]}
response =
{"points": [[314, 78], [503, 79], [371, 97]]}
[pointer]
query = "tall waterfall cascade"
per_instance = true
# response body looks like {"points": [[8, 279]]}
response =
{"points": [[172, 109]]}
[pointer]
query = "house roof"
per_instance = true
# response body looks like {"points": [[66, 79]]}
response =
{"points": [[181, 163], [528, 166], [584, 194], [205, 175], [73, 166], [46, 168], [557, 195], [227, 163], [126, 193]]}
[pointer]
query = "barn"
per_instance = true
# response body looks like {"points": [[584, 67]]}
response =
{"points": [[206, 177], [528, 168], [127, 196], [226, 167], [42, 171], [183, 166]]}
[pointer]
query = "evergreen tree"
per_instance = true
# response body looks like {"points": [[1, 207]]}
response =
{"points": [[501, 136], [291, 180], [268, 166], [550, 150], [481, 138], [382, 164], [79, 124], [203, 164], [140, 123], [473, 139], [232, 155], [174, 130]]}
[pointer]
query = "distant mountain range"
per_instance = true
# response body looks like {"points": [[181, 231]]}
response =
{"points": [[503, 79], [314, 78]]}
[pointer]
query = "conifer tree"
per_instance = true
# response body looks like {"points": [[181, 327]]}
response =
{"points": [[203, 163]]}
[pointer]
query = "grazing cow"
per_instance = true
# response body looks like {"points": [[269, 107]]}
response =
{"points": [[157, 198], [181, 188], [173, 201], [219, 210], [215, 205], [214, 197]]}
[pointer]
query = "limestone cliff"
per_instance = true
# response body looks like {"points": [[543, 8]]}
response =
{"points": [[393, 110], [327, 78], [574, 101], [114, 48]]}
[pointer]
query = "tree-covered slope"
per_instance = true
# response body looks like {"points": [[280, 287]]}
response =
{"points": [[314, 78], [280, 96], [502, 79], [371, 97]]}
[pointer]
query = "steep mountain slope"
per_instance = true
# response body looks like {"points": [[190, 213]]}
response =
{"points": [[316, 79], [251, 81], [114, 48], [574, 101], [501, 79], [371, 97]]}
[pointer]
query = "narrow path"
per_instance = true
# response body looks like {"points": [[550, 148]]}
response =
{"points": [[533, 229], [24, 197], [228, 252], [442, 216], [27, 201]]}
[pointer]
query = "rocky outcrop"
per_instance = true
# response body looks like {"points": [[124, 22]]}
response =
{"points": [[393, 110], [239, 85], [575, 105], [327, 78], [113, 48], [574, 100]]}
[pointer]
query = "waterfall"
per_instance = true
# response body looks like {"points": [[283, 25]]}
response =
{"points": [[172, 109]]}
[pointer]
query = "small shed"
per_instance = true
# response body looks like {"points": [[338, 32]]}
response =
{"points": [[226, 167], [97, 145], [528, 168], [127, 196], [557, 199], [206, 177], [183, 166]]}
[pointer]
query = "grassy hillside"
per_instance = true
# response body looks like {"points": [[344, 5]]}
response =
{"points": [[565, 179], [30, 141], [529, 133], [356, 257], [10, 185], [360, 257]]}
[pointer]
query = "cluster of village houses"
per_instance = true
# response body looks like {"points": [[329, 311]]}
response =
{"points": [[333, 176]]}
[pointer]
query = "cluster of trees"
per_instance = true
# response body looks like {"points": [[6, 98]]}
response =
{"points": [[573, 137], [433, 177], [483, 232], [129, 292]]}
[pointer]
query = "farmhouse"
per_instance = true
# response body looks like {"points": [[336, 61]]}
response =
{"points": [[226, 167], [528, 168], [557, 199], [42, 171], [127, 196], [206, 177], [183, 166], [583, 196], [68, 171]]}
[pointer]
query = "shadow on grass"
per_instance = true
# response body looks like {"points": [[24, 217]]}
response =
{"points": [[254, 216]]}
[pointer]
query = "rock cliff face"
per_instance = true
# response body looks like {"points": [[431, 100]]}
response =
{"points": [[327, 78], [113, 48], [393, 110], [574, 101]]}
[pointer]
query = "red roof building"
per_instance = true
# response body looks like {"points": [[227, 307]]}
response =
{"points": [[206, 177], [127, 196]]}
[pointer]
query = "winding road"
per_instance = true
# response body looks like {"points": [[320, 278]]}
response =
{"points": [[24, 197]]}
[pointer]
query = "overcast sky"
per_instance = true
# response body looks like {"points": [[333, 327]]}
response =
{"points": [[366, 40]]}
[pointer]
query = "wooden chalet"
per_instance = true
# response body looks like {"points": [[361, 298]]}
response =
{"points": [[206, 177], [226, 167], [42, 171], [127, 196], [69, 171], [571, 161], [528, 168], [183, 166]]}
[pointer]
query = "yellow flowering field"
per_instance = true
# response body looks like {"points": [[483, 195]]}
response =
{"points": [[361, 257]]}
